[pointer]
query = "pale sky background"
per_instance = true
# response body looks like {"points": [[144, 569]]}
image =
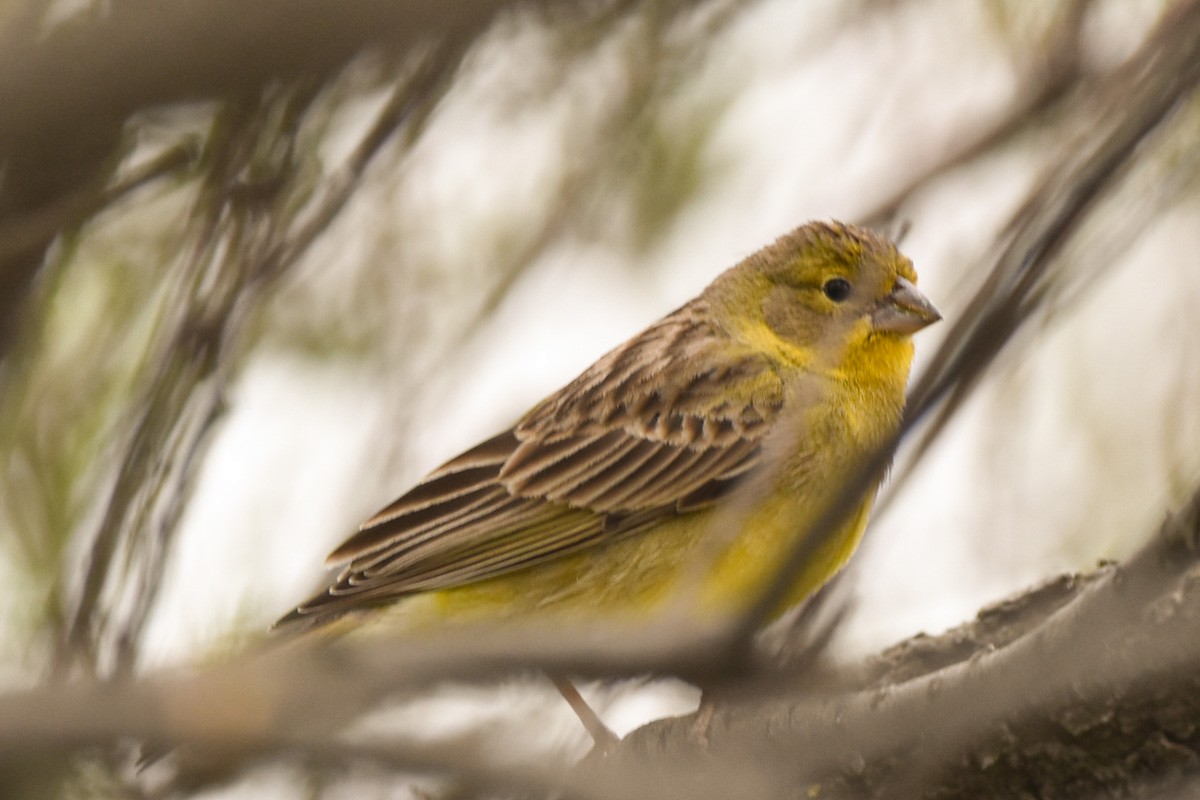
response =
{"points": [[1072, 448]]}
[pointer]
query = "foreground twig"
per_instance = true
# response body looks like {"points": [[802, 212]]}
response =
{"points": [[1118, 656]]}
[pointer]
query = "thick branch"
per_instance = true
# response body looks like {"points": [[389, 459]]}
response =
{"points": [[1096, 696], [1099, 696]]}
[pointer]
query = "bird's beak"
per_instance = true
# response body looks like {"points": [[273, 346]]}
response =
{"points": [[904, 311]]}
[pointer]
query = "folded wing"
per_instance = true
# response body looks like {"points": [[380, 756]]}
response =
{"points": [[663, 425]]}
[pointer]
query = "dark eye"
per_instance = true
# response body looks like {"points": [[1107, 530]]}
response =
{"points": [[837, 289]]}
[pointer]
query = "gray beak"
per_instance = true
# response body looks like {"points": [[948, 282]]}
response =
{"points": [[904, 311]]}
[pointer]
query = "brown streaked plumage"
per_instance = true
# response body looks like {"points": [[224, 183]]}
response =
{"points": [[657, 430]]}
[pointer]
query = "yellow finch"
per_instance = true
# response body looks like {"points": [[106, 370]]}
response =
{"points": [[788, 369]]}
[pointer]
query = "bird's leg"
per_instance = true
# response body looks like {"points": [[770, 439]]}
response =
{"points": [[703, 720], [603, 738]]}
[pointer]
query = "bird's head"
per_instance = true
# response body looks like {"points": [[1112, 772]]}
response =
{"points": [[823, 296]]}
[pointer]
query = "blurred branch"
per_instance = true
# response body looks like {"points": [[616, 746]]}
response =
{"points": [[21, 232], [246, 243], [293, 696], [182, 391], [1052, 73], [132, 54], [67, 94], [1042, 670], [1125, 109]]}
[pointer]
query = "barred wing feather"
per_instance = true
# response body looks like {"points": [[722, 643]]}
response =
{"points": [[662, 425]]}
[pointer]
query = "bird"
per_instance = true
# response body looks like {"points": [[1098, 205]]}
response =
{"points": [[782, 376]]}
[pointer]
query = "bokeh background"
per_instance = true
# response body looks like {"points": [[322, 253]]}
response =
{"points": [[554, 177]]}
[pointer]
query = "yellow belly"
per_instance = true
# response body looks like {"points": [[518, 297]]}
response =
{"points": [[690, 557]]}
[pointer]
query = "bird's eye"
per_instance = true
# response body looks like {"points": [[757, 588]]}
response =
{"points": [[837, 289]]}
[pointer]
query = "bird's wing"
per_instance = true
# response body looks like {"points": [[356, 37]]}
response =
{"points": [[664, 424]]}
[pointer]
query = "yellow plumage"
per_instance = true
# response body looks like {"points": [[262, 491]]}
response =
{"points": [[701, 448]]}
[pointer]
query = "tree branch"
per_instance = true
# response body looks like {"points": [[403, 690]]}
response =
{"points": [[1098, 696], [1107, 658]]}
